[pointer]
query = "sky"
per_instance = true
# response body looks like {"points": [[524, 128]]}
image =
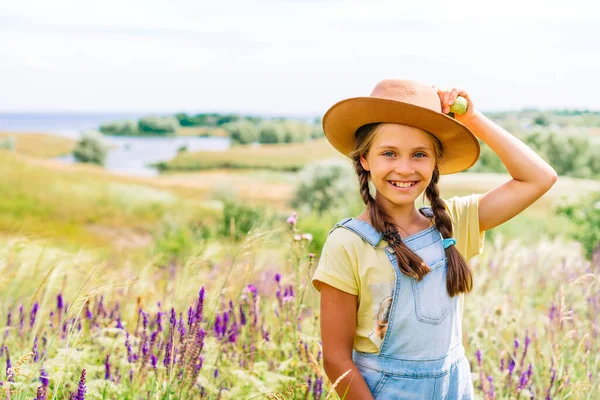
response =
{"points": [[292, 57]]}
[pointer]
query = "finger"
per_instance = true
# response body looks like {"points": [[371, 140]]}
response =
{"points": [[453, 95], [445, 105]]}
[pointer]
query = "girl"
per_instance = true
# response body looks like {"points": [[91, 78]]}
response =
{"points": [[393, 280]]}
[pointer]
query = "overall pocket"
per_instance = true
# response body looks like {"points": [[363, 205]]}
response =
{"points": [[432, 302], [374, 379]]}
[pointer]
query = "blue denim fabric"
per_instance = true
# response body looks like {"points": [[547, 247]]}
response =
{"points": [[421, 356]]}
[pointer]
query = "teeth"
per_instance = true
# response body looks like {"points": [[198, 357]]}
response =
{"points": [[402, 184]]}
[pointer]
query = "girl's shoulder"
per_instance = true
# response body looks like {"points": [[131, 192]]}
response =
{"points": [[351, 233], [459, 206]]}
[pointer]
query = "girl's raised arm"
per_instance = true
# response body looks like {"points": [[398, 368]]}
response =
{"points": [[532, 176]]}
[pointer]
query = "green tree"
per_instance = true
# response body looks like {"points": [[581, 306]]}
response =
{"points": [[242, 132], [91, 148], [270, 132], [585, 216], [158, 125], [120, 128], [326, 185], [541, 120]]}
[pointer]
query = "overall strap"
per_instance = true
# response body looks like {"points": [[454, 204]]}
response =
{"points": [[426, 211], [366, 232]]}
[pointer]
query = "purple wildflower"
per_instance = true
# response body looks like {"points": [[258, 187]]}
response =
{"points": [[233, 332], [242, 315], [153, 360], [159, 321], [80, 395], [42, 393], [552, 312], [200, 305], [190, 316], [492, 395], [217, 326], [293, 219], [252, 289], [21, 318], [145, 319], [130, 357], [36, 355], [553, 376], [88, 312], [8, 322], [479, 364], [119, 323], [511, 366], [107, 368], [173, 317], [44, 377], [522, 380], [277, 277], [318, 389], [59, 302], [9, 373]]}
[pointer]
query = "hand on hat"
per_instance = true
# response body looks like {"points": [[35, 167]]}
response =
{"points": [[447, 98]]}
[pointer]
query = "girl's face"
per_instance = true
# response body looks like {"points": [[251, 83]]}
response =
{"points": [[401, 160]]}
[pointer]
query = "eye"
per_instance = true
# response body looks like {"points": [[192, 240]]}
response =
{"points": [[388, 154], [420, 154]]}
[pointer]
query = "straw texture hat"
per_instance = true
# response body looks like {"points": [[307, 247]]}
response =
{"points": [[403, 102]]}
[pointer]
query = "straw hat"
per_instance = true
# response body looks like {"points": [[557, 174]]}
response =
{"points": [[408, 103]]}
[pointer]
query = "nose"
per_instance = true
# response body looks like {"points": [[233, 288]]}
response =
{"points": [[404, 167]]}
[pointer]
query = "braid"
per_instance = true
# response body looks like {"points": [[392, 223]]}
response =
{"points": [[408, 261], [460, 277], [363, 180]]}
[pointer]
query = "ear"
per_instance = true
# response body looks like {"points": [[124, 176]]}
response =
{"points": [[364, 163]]}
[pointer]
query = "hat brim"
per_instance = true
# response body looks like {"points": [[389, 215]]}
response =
{"points": [[460, 148]]}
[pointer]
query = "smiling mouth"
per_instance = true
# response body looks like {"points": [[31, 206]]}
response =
{"points": [[403, 184]]}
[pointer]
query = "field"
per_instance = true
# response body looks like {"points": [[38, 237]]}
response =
{"points": [[128, 288], [279, 157], [40, 144]]}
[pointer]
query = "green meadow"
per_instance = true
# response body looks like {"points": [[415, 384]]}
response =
{"points": [[192, 284]]}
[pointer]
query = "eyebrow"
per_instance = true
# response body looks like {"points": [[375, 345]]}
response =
{"points": [[386, 146]]}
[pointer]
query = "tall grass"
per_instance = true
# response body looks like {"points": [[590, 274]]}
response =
{"points": [[240, 320]]}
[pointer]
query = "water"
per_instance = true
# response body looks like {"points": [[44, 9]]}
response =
{"points": [[129, 155]]}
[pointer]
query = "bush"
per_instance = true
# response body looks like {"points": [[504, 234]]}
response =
{"points": [[326, 185], [239, 219], [295, 131], [573, 156], [585, 218], [175, 241], [270, 132], [8, 144], [91, 148], [242, 132], [158, 125], [120, 128]]}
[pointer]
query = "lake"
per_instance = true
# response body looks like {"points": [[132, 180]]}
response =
{"points": [[129, 155]]}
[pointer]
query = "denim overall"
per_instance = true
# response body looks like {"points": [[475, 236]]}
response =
{"points": [[421, 356]]}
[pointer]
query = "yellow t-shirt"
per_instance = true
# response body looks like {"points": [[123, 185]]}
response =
{"points": [[350, 264]]}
